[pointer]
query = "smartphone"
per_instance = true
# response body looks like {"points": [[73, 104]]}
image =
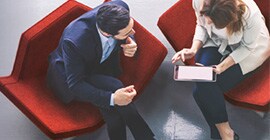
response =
{"points": [[194, 73]]}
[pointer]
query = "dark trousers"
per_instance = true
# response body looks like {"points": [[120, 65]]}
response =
{"points": [[118, 117], [209, 95]]}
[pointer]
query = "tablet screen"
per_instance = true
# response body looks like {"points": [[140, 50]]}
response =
{"points": [[194, 73]]}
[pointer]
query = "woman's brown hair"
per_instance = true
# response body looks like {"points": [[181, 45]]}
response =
{"points": [[225, 13]]}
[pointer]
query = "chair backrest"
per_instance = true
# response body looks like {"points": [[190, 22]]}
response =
{"points": [[38, 41], [178, 25]]}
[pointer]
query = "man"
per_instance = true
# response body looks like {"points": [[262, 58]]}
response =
{"points": [[86, 63]]}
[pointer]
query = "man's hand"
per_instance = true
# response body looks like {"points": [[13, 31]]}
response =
{"points": [[124, 96], [129, 48]]}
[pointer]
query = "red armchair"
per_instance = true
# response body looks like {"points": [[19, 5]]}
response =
{"points": [[26, 86], [178, 26]]}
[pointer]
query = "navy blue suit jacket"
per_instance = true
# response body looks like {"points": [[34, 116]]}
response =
{"points": [[78, 56]]}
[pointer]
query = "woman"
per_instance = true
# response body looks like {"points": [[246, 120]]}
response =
{"points": [[232, 36]]}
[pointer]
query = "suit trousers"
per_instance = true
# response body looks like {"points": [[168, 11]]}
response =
{"points": [[209, 95], [118, 117]]}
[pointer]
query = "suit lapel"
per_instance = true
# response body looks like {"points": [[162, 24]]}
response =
{"points": [[97, 44]]}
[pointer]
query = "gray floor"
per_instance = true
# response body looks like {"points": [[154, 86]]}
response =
{"points": [[167, 106]]}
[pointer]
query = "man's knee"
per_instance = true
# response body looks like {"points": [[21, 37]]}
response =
{"points": [[117, 84]]}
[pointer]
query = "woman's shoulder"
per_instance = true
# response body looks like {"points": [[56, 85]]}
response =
{"points": [[196, 4], [252, 9]]}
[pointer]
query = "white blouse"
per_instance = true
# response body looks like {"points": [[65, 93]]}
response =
{"points": [[251, 46]]}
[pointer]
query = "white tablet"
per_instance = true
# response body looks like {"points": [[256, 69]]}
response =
{"points": [[194, 73]]}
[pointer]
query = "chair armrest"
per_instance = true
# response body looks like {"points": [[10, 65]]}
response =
{"points": [[7, 80]]}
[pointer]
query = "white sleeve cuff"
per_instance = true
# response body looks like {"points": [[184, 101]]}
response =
{"points": [[240, 53], [112, 101]]}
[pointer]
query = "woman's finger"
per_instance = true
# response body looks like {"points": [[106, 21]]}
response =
{"points": [[183, 56]]}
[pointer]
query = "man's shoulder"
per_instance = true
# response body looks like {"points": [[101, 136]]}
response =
{"points": [[82, 39], [79, 29]]}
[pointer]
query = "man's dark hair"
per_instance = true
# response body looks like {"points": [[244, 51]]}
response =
{"points": [[112, 18]]}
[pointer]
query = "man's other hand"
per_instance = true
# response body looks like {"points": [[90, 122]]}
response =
{"points": [[124, 96]]}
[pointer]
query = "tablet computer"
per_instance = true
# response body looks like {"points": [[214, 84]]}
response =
{"points": [[194, 73]]}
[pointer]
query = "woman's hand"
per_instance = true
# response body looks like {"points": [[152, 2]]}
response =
{"points": [[218, 69], [183, 55], [224, 65]]}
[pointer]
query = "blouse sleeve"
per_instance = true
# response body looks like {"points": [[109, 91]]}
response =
{"points": [[251, 31], [200, 31]]}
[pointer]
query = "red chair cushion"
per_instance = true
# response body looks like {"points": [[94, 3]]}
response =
{"points": [[56, 119], [253, 92]]}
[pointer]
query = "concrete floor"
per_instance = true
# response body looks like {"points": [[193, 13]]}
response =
{"points": [[167, 106]]}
